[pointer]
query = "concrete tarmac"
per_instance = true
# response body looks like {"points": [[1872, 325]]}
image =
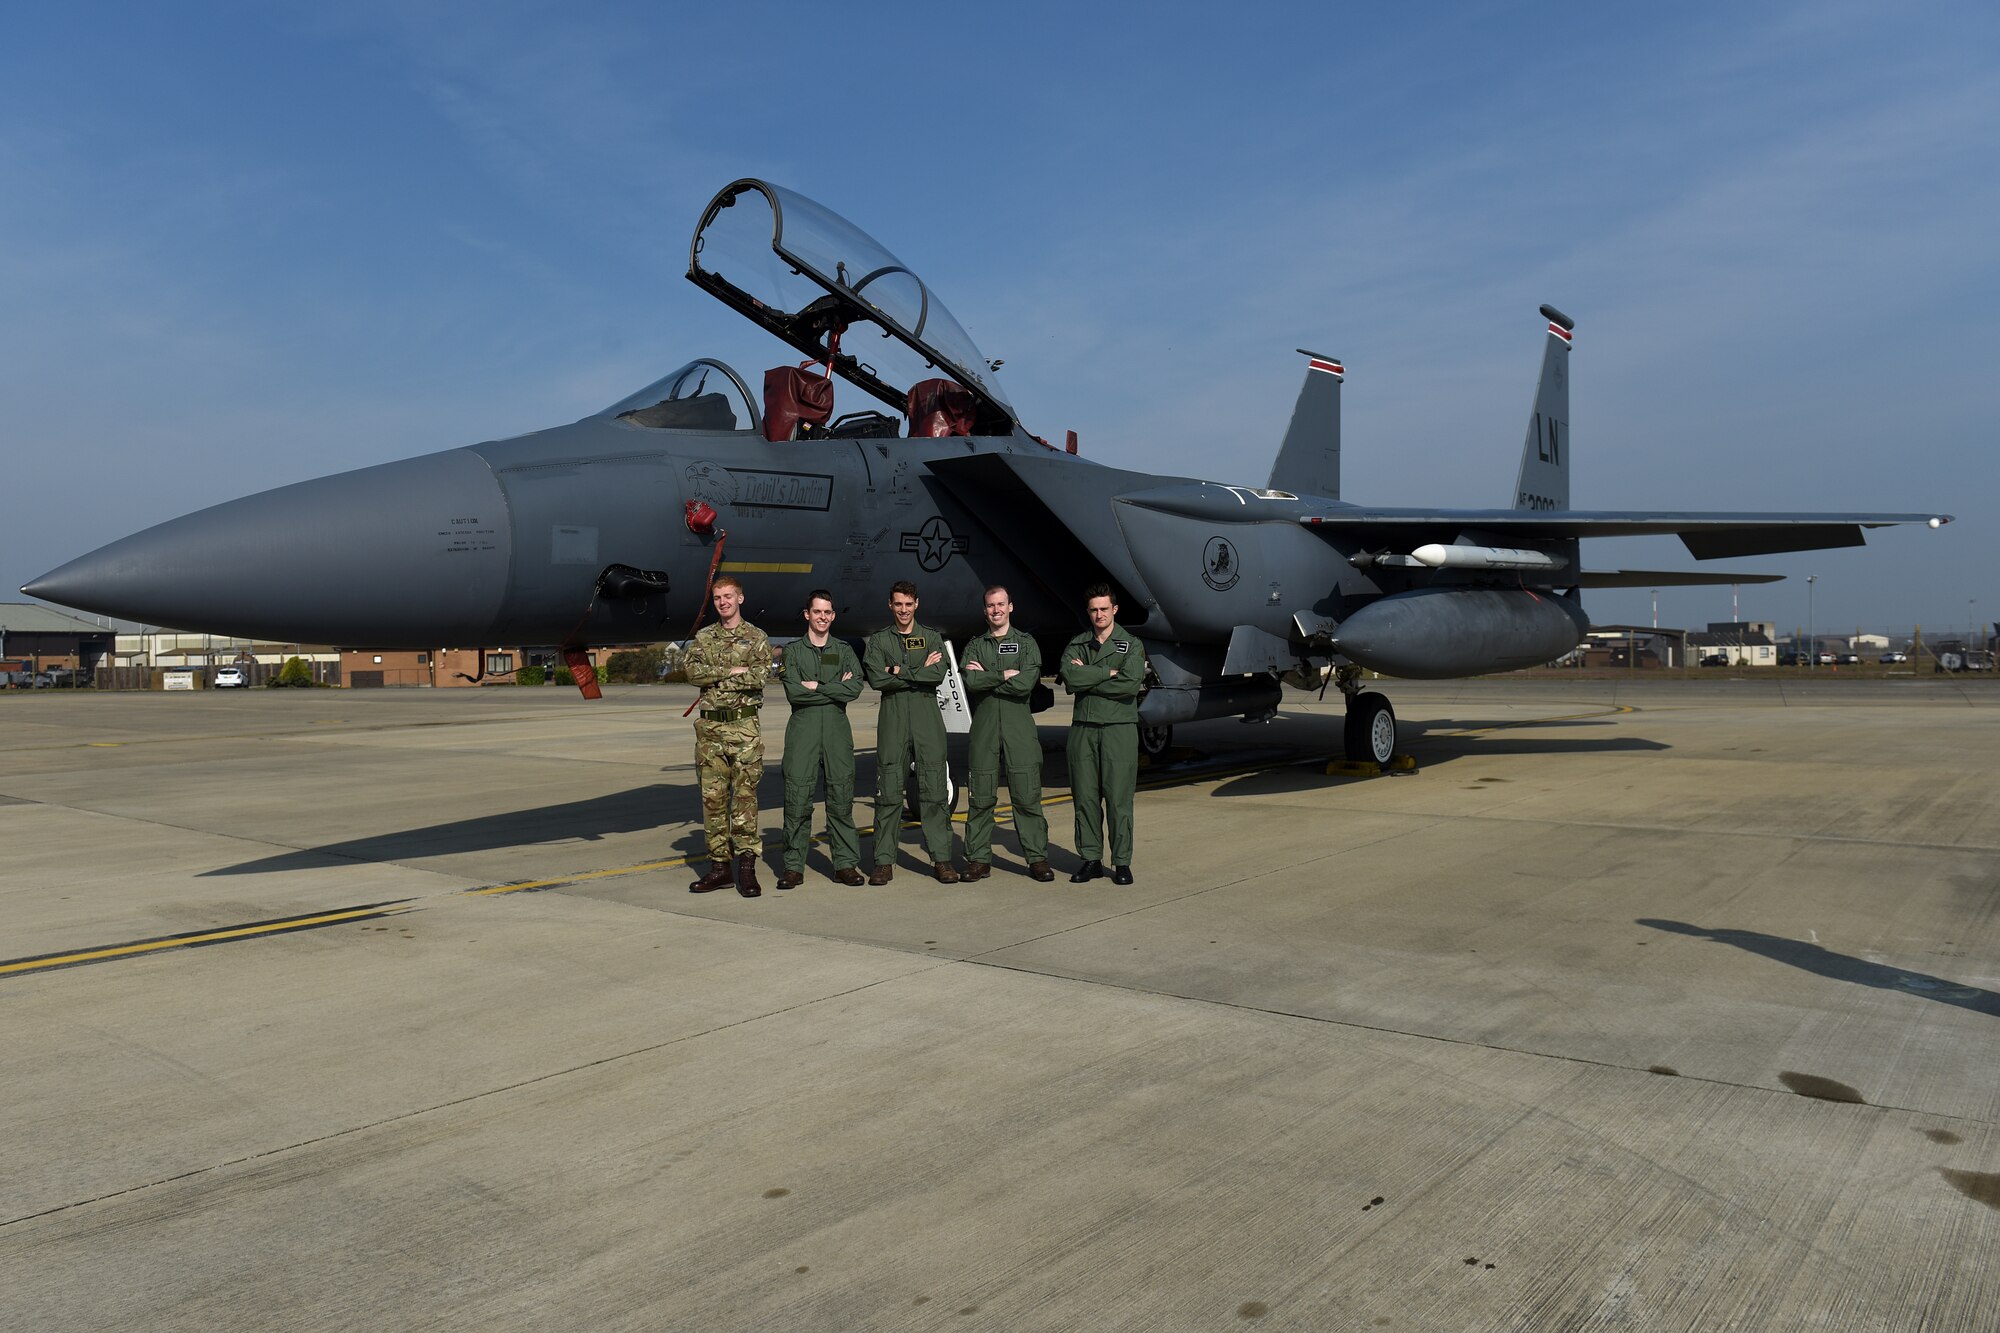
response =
{"points": [[1651, 1004]]}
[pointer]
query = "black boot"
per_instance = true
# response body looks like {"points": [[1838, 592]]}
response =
{"points": [[1088, 871], [719, 876], [746, 875]]}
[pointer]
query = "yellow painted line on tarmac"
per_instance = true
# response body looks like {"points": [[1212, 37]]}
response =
{"points": [[250, 930]]}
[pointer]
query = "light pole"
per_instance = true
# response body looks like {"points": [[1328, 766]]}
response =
{"points": [[1656, 608], [1812, 643]]}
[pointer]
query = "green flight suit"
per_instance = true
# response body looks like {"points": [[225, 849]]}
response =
{"points": [[909, 729], [728, 745], [818, 742], [1104, 738], [1003, 736]]}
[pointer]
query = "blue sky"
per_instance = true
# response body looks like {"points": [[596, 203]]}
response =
{"points": [[246, 244]]}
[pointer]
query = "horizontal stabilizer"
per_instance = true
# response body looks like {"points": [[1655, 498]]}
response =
{"points": [[1708, 536], [1663, 578]]}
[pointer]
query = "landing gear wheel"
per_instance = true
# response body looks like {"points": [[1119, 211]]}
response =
{"points": [[1155, 738], [1371, 729]]}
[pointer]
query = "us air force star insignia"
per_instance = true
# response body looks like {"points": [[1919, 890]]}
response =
{"points": [[1220, 568], [934, 545]]}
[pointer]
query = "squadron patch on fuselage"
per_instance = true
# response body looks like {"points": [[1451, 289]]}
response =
{"points": [[1220, 568]]}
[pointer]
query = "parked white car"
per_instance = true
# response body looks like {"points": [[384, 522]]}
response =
{"points": [[230, 678]]}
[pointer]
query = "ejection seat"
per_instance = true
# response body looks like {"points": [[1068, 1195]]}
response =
{"points": [[797, 402], [939, 408]]}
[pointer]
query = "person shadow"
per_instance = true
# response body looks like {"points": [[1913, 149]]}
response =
{"points": [[1824, 962]]}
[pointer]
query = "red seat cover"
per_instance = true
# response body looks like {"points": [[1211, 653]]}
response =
{"points": [[795, 397], [938, 408]]}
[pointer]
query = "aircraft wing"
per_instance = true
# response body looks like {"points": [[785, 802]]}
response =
{"points": [[1665, 578], [1707, 536]]}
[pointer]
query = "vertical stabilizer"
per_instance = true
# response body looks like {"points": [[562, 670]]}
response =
{"points": [[1544, 480], [1308, 461]]}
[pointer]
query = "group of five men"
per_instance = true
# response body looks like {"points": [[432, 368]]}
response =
{"points": [[1104, 668]]}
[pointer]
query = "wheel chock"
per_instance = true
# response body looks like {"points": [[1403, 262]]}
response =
{"points": [[1368, 768], [1353, 768]]}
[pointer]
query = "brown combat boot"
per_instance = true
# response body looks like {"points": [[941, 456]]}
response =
{"points": [[746, 875], [976, 870], [882, 875], [1040, 872], [791, 879], [850, 875], [946, 872], [720, 876]]}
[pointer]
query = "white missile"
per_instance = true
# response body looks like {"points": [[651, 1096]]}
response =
{"points": [[1439, 556]]}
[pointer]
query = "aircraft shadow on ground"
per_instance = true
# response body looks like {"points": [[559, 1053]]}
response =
{"points": [[632, 811], [656, 806], [1433, 744], [1825, 962]]}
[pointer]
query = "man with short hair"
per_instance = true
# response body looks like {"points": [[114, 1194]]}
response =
{"points": [[731, 661], [1105, 668], [822, 676], [1001, 669], [906, 663]]}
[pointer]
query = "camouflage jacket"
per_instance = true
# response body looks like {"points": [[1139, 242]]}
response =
{"points": [[714, 651]]}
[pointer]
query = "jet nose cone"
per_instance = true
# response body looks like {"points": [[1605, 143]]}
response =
{"points": [[411, 553]]}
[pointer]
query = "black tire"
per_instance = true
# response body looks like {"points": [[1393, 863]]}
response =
{"points": [[1371, 729], [1155, 739]]}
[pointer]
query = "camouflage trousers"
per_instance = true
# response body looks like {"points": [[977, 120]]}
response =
{"points": [[729, 757]]}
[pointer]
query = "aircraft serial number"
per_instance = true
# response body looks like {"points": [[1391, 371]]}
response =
{"points": [[1527, 501]]}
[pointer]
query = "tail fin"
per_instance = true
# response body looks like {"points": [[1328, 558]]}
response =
{"points": [[1544, 480], [1308, 462]]}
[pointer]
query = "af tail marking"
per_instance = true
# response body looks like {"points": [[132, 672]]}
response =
{"points": [[1544, 479]]}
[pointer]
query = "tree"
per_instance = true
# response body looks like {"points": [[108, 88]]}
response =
{"points": [[635, 666]]}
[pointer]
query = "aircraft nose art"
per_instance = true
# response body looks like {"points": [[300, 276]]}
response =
{"points": [[406, 554]]}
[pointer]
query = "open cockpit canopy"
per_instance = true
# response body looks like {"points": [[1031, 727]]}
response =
{"points": [[702, 395], [829, 289]]}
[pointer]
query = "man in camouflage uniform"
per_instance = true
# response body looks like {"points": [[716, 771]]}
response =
{"points": [[1105, 668], [1001, 669], [822, 676], [906, 663], [730, 660]]}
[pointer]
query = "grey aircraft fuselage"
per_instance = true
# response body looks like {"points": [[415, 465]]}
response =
{"points": [[607, 531]]}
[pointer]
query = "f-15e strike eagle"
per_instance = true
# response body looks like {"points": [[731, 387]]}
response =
{"points": [[607, 530]]}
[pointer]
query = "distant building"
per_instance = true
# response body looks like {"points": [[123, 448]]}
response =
{"points": [[36, 638], [1751, 643], [1634, 647]]}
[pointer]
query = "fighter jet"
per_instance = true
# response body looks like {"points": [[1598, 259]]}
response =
{"points": [[608, 530]]}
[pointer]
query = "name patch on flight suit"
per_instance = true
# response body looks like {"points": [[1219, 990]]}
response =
{"points": [[829, 659], [914, 641], [1008, 647]]}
